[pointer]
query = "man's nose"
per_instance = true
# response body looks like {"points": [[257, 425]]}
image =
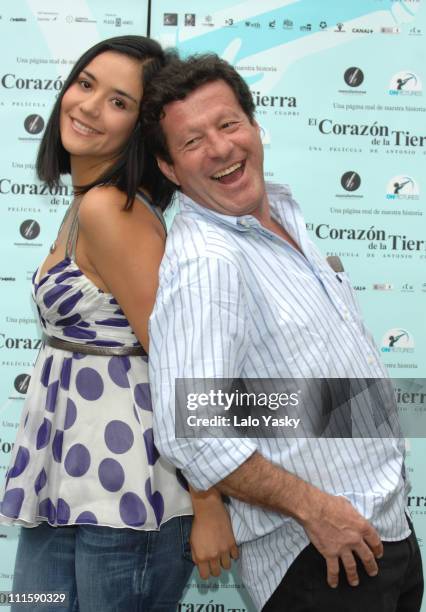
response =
{"points": [[219, 145]]}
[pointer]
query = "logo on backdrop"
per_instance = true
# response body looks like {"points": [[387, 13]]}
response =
{"points": [[34, 124], [29, 229], [405, 84], [353, 76], [288, 24], [21, 383], [402, 188], [170, 19], [190, 19], [397, 340], [350, 181]]}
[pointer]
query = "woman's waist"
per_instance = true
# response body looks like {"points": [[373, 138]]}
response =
{"points": [[74, 338]]}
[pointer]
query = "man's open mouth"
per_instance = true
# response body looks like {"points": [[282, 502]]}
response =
{"points": [[231, 174]]}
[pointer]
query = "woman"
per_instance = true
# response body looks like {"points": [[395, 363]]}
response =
{"points": [[110, 518]]}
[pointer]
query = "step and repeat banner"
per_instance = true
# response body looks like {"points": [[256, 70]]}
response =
{"points": [[41, 39], [338, 88]]}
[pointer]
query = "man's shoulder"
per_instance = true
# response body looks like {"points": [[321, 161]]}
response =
{"points": [[192, 236]]}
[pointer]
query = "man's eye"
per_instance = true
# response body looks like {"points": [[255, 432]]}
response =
{"points": [[191, 142]]}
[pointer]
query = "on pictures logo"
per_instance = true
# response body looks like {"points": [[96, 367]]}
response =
{"points": [[397, 340], [402, 187], [405, 84]]}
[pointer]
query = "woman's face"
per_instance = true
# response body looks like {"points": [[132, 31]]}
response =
{"points": [[100, 109]]}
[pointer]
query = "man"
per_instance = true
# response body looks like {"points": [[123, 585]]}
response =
{"points": [[244, 294]]}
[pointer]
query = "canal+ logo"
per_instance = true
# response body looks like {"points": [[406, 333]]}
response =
{"points": [[397, 340]]}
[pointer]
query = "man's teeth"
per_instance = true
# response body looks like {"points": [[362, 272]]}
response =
{"points": [[83, 128], [227, 171]]}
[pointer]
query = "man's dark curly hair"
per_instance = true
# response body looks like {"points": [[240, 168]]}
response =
{"points": [[178, 79]]}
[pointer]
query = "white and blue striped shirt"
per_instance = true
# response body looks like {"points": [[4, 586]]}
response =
{"points": [[236, 300]]}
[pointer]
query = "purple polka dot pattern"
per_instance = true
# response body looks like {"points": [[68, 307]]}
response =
{"points": [[86, 518], [51, 395], [117, 369], [51, 296], [45, 372], [57, 445], [132, 510], [21, 461], [59, 266], [12, 502], [83, 400], [66, 373], [43, 434], [151, 450], [112, 322], [71, 414], [72, 320], [67, 305], [67, 275], [72, 331], [142, 395], [77, 460], [47, 510], [63, 512], [111, 475], [156, 500], [105, 343], [40, 481], [118, 437], [89, 384]]}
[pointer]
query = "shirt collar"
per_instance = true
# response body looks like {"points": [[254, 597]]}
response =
{"points": [[278, 196]]}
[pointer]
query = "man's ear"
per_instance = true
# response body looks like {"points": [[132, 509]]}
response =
{"points": [[168, 170]]}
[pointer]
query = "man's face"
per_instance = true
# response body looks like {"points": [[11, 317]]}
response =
{"points": [[217, 154]]}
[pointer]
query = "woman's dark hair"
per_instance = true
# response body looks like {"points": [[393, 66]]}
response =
{"points": [[135, 166]]}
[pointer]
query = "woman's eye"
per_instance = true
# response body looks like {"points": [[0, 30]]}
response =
{"points": [[118, 103], [84, 84]]}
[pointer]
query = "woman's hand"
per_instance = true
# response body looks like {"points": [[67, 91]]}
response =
{"points": [[212, 539]]}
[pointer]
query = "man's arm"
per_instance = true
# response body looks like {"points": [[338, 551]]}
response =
{"points": [[199, 329], [331, 523]]}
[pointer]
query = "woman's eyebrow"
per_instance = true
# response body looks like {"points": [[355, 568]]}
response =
{"points": [[119, 91]]}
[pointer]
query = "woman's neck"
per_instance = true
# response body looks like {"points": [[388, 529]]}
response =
{"points": [[85, 170]]}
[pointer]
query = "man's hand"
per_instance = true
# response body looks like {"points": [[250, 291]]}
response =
{"points": [[339, 532]]}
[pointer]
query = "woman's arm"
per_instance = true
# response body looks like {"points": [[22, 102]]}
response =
{"points": [[121, 252], [212, 539]]}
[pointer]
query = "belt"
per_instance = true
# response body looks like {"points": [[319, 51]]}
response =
{"points": [[92, 349]]}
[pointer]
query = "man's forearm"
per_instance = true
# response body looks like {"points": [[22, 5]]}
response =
{"points": [[261, 483]]}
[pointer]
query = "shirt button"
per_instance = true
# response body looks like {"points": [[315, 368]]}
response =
{"points": [[370, 359]]}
